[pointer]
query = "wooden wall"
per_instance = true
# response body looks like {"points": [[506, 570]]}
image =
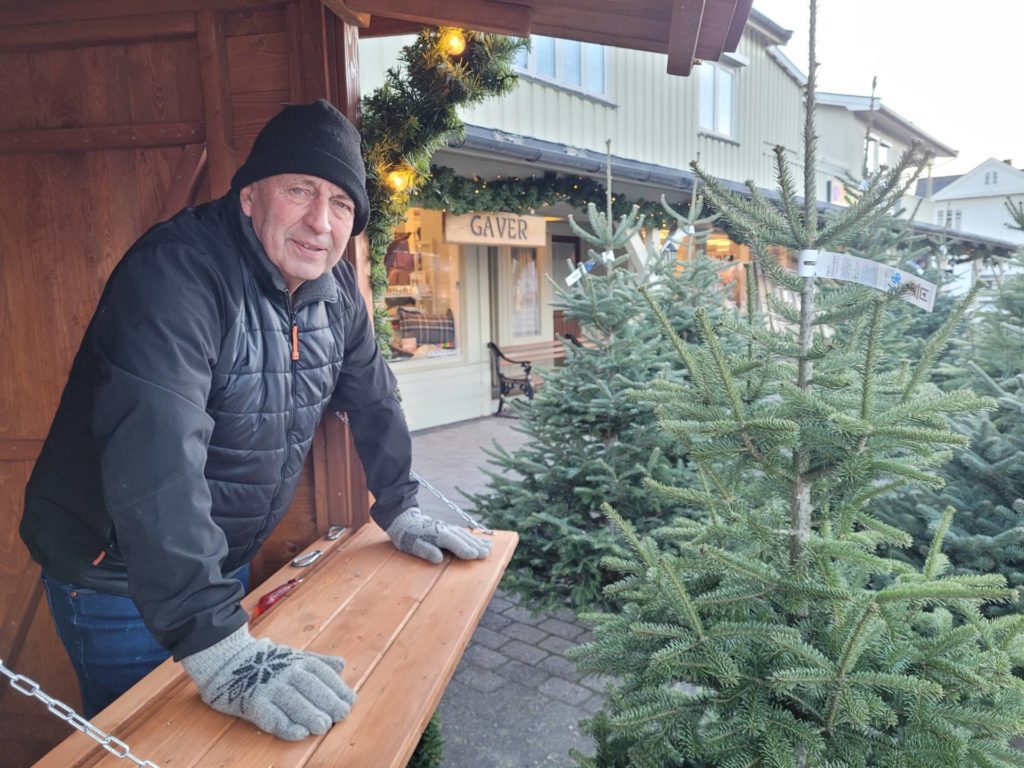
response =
{"points": [[110, 123]]}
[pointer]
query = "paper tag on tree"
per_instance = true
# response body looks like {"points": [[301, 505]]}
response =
{"points": [[853, 269], [579, 272]]}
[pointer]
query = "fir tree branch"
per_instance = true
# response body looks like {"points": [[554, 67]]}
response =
{"points": [[788, 195], [870, 359], [931, 564], [938, 341], [680, 346]]}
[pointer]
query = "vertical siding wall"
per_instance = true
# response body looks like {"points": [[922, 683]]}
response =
{"points": [[649, 115]]}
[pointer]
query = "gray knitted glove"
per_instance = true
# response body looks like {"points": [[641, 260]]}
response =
{"points": [[415, 533], [283, 691]]}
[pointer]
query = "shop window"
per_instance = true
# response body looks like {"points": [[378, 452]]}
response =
{"points": [[422, 292]]}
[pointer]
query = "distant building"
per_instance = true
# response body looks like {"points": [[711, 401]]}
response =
{"points": [[973, 204]]}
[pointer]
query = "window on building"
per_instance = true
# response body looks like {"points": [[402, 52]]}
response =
{"points": [[987, 175], [422, 297], [876, 154], [940, 217], [995, 177], [717, 99], [957, 219], [576, 65]]}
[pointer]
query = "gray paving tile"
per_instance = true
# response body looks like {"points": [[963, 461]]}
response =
{"points": [[565, 691], [524, 616], [524, 632], [597, 682], [494, 621], [480, 679], [521, 651], [557, 645], [523, 674], [499, 603], [561, 628], [483, 657], [558, 665], [488, 638]]}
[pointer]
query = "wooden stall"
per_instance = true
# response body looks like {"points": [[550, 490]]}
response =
{"points": [[114, 114]]}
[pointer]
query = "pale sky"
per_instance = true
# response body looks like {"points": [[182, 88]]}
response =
{"points": [[953, 68]]}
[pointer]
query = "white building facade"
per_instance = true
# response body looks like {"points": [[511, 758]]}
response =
{"points": [[450, 293]]}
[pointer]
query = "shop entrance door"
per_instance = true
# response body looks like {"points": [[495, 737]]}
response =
{"points": [[520, 295]]}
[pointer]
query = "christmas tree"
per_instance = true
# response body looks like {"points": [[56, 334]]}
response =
{"points": [[589, 443], [985, 480], [752, 631]]}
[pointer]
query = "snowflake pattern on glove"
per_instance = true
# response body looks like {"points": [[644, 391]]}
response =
{"points": [[259, 669], [428, 530]]}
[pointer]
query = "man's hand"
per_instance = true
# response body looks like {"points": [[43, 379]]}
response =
{"points": [[283, 691], [415, 533]]}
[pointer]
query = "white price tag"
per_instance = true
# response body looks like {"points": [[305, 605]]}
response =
{"points": [[853, 269]]}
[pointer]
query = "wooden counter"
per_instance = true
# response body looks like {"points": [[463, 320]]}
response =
{"points": [[401, 625]]}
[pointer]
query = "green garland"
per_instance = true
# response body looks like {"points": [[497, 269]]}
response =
{"points": [[412, 115], [446, 190]]}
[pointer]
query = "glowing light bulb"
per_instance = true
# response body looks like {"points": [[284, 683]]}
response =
{"points": [[399, 179], [452, 41]]}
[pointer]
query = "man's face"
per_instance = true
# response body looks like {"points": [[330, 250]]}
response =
{"points": [[303, 222]]}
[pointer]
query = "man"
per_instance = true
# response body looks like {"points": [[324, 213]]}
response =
{"points": [[219, 341]]}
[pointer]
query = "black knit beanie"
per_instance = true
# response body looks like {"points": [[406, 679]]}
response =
{"points": [[315, 139]]}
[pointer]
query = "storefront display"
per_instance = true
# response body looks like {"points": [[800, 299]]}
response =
{"points": [[422, 293]]}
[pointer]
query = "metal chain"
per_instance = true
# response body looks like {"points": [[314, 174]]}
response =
{"points": [[451, 504], [112, 744]]}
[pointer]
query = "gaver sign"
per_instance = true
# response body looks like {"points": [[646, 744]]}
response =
{"points": [[494, 228]]}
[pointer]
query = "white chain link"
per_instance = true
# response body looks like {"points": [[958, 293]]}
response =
{"points": [[112, 744], [455, 507]]}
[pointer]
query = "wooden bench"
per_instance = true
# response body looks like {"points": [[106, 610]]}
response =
{"points": [[526, 380], [401, 624]]}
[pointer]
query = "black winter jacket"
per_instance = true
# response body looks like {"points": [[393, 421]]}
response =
{"points": [[182, 430]]}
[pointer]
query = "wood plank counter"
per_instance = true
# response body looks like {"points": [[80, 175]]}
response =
{"points": [[401, 625]]}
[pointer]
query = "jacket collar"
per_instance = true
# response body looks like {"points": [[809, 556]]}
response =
{"points": [[324, 288]]}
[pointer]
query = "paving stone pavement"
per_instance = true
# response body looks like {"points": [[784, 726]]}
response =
{"points": [[515, 701]]}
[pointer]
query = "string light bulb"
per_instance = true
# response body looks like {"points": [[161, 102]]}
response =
{"points": [[453, 41], [400, 179]]}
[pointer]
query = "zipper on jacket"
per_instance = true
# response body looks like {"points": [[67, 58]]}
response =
{"points": [[294, 338]]}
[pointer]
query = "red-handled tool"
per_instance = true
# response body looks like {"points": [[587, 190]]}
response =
{"points": [[268, 600]]}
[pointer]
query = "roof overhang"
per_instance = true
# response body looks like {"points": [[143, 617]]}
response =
{"points": [[688, 31], [488, 152], [886, 120]]}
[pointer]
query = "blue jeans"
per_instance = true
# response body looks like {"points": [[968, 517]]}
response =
{"points": [[109, 645]]}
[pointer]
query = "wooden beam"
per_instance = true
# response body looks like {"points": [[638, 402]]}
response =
{"points": [[69, 34], [185, 180], [20, 450], [684, 29], [307, 51], [347, 72], [60, 11], [213, 69], [318, 456], [739, 23], [99, 138], [340, 9], [714, 28], [381, 26], [482, 15], [599, 26]]}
